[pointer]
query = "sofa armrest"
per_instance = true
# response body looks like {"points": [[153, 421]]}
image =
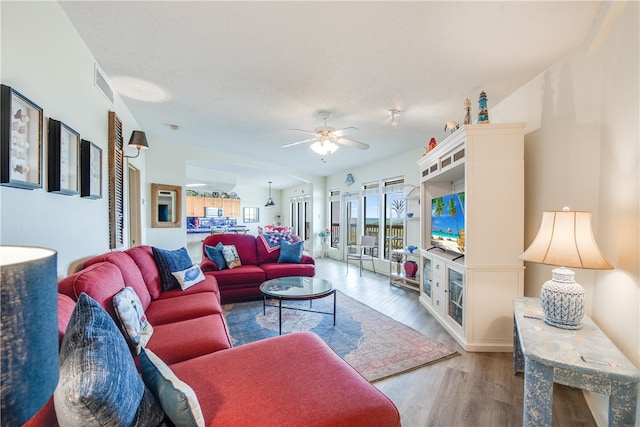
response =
{"points": [[207, 265], [306, 259]]}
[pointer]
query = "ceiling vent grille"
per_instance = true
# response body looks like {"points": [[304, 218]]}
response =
{"points": [[102, 83]]}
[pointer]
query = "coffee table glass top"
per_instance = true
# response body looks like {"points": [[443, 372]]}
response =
{"points": [[297, 287]]}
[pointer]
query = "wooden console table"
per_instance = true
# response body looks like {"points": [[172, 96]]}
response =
{"points": [[583, 358]]}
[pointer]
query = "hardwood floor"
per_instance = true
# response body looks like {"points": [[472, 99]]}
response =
{"points": [[473, 389]]}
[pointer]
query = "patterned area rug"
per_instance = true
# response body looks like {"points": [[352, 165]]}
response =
{"points": [[374, 344]]}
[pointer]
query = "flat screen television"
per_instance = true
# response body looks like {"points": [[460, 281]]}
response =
{"points": [[447, 222]]}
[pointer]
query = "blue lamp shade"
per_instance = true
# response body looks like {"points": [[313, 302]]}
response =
{"points": [[29, 331]]}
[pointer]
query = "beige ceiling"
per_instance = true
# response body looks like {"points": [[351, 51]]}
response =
{"points": [[241, 75]]}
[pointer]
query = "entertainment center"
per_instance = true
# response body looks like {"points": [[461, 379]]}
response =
{"points": [[472, 185]]}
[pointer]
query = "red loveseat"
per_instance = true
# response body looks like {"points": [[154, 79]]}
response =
{"points": [[290, 380], [259, 263]]}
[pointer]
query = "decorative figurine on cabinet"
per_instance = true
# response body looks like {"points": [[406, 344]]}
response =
{"points": [[451, 125], [432, 144], [467, 112], [483, 113]]}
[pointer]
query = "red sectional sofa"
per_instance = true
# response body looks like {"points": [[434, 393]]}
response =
{"points": [[290, 380], [259, 263]]}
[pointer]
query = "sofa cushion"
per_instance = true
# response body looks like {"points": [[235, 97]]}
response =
{"points": [[250, 385], [197, 337], [214, 253], [133, 322], [143, 257], [99, 383], [130, 273], [209, 284], [291, 252], [276, 271], [170, 261], [231, 256], [177, 399], [101, 281], [187, 306], [242, 274], [189, 276]]}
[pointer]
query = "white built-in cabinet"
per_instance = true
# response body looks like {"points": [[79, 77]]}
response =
{"points": [[471, 295]]}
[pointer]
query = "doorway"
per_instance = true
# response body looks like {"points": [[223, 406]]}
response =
{"points": [[135, 211]]}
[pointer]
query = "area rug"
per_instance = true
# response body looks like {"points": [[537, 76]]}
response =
{"points": [[374, 344]]}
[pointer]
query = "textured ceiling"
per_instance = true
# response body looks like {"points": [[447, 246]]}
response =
{"points": [[241, 75]]}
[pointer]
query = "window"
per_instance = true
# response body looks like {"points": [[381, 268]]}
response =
{"points": [[301, 216], [394, 207], [371, 214], [250, 215], [352, 210], [334, 201]]}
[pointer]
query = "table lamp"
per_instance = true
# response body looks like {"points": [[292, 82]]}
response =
{"points": [[29, 331], [565, 239]]}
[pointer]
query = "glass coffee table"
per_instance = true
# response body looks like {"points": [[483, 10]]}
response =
{"points": [[296, 289]]}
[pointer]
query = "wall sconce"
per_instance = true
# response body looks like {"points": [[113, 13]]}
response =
{"points": [[138, 140], [270, 203], [565, 239], [29, 331]]}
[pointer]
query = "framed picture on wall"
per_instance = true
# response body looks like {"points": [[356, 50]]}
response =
{"points": [[20, 140], [63, 159], [90, 170]]}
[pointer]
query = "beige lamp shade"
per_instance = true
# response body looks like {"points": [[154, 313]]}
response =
{"points": [[566, 239]]}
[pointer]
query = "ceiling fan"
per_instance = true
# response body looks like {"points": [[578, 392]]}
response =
{"points": [[325, 138]]}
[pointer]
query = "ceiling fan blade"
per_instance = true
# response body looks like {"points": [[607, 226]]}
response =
{"points": [[352, 143], [308, 132], [299, 142], [340, 132]]}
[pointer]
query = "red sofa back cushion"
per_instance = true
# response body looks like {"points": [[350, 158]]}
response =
{"points": [[101, 281], [245, 245], [143, 257], [130, 273]]}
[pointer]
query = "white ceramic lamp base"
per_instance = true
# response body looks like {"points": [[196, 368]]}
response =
{"points": [[563, 300]]}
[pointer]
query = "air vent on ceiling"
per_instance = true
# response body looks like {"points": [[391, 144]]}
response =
{"points": [[102, 83]]}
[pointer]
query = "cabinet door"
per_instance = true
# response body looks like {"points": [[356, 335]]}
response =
{"points": [[455, 300], [438, 287], [195, 206], [189, 211], [426, 277]]}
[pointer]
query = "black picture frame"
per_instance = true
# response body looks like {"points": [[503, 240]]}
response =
{"points": [[90, 170], [63, 159], [20, 140]]}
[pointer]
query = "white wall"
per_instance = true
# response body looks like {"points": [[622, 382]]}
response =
{"points": [[582, 150], [44, 59]]}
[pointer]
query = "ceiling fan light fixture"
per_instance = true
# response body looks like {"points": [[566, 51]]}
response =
{"points": [[324, 147]]}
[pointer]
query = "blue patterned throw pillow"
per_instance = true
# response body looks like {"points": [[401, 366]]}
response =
{"points": [[99, 383], [189, 277], [291, 252], [215, 254], [169, 262]]}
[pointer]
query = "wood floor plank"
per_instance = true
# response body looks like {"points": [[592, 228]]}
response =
{"points": [[472, 389]]}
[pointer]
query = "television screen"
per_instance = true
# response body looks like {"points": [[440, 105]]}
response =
{"points": [[447, 222]]}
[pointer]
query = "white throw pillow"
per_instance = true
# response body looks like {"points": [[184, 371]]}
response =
{"points": [[189, 277]]}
